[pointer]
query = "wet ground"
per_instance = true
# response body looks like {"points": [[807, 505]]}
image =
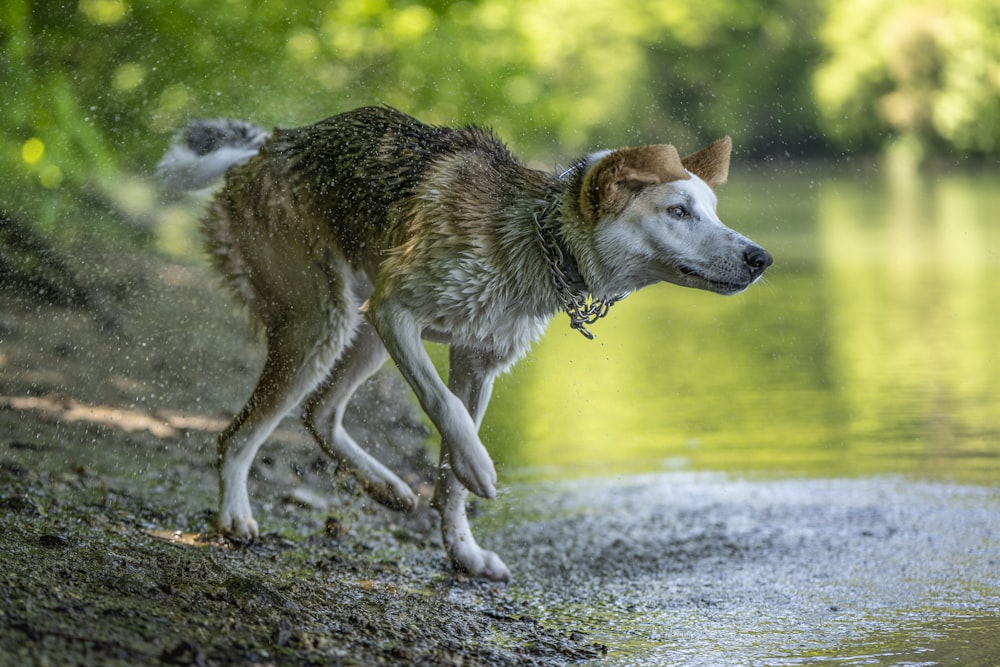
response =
{"points": [[705, 569], [107, 492]]}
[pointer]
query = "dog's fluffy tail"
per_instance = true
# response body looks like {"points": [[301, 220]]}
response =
{"points": [[205, 149]]}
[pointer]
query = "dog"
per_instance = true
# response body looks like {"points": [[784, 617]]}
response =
{"points": [[352, 239]]}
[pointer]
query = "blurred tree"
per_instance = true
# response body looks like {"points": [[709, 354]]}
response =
{"points": [[925, 72], [92, 88], [741, 69]]}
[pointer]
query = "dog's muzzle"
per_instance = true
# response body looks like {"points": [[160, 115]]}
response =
{"points": [[755, 261]]}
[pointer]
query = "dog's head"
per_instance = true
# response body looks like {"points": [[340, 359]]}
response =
{"points": [[650, 216]]}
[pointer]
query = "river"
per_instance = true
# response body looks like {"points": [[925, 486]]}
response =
{"points": [[807, 473]]}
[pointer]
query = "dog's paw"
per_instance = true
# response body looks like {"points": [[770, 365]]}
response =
{"points": [[237, 524], [474, 469], [479, 562], [394, 494]]}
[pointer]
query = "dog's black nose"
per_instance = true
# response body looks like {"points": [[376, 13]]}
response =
{"points": [[757, 259]]}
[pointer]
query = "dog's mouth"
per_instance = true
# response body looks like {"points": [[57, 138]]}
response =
{"points": [[720, 286]]}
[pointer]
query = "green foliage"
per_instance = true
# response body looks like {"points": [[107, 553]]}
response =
{"points": [[94, 87], [926, 71]]}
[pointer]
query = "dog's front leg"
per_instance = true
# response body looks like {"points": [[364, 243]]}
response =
{"points": [[401, 335], [471, 379]]}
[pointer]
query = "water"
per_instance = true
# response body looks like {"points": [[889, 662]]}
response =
{"points": [[702, 569], [873, 345], [808, 473]]}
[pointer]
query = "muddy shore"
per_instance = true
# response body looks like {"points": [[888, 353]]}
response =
{"points": [[107, 493]]}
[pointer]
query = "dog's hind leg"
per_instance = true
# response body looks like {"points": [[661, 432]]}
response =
{"points": [[470, 378], [299, 355], [324, 415]]}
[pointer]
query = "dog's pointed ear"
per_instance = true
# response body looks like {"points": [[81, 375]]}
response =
{"points": [[615, 178], [711, 164]]}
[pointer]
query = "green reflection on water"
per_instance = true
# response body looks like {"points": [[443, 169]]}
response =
{"points": [[872, 346], [967, 641]]}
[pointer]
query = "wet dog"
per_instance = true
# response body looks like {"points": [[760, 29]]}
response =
{"points": [[352, 239]]}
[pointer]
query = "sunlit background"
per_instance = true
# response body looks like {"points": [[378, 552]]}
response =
{"points": [[93, 89]]}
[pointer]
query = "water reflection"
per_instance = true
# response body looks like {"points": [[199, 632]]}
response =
{"points": [[872, 346], [913, 319], [969, 641]]}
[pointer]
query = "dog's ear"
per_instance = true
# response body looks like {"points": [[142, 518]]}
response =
{"points": [[617, 177], [711, 164]]}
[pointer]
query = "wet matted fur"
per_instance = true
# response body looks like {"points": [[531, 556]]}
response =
{"points": [[353, 238]]}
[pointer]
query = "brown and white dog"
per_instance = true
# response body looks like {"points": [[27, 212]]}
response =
{"points": [[352, 239]]}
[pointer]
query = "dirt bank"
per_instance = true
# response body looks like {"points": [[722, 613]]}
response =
{"points": [[107, 492]]}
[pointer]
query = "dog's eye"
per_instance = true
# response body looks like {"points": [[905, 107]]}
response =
{"points": [[678, 211]]}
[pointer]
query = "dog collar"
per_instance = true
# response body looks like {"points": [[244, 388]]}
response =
{"points": [[571, 288]]}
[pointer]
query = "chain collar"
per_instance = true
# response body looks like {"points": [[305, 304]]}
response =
{"points": [[573, 292]]}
